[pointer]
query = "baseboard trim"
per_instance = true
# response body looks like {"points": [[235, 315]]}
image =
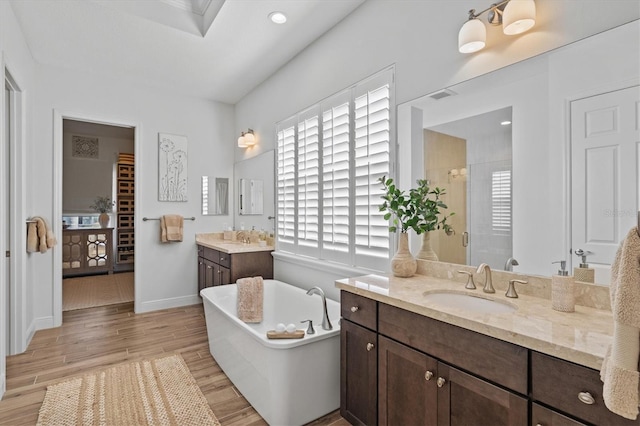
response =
{"points": [[3, 384], [173, 302], [39, 324]]}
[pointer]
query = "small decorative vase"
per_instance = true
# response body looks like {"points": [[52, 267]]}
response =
{"points": [[103, 219], [403, 263], [426, 252]]}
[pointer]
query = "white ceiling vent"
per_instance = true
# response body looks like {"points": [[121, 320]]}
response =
{"points": [[444, 93]]}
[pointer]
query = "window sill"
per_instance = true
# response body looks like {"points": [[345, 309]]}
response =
{"points": [[322, 265]]}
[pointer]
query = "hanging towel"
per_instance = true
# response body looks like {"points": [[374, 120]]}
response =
{"points": [[620, 366], [171, 226], [44, 238], [250, 299]]}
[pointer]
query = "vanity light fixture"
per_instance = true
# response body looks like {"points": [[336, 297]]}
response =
{"points": [[515, 16], [247, 139]]}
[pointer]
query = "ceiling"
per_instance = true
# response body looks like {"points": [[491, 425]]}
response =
{"points": [[214, 49]]}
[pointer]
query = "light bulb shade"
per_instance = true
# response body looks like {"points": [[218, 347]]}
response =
{"points": [[242, 142], [472, 36], [249, 139], [519, 16]]}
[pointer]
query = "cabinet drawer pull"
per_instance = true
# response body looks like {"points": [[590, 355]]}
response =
{"points": [[222, 259], [354, 309], [428, 375], [586, 398], [208, 266], [441, 381], [370, 346]]}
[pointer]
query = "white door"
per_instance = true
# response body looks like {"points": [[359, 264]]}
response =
{"points": [[605, 141]]}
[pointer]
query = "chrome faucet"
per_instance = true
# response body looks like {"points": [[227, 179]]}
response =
{"points": [[488, 287], [511, 262], [326, 324]]}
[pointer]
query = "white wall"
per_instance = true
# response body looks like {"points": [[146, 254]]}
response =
{"points": [[16, 58], [84, 179], [165, 274], [420, 37]]}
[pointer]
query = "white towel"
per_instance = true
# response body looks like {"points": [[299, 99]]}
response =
{"points": [[250, 299], [619, 370]]}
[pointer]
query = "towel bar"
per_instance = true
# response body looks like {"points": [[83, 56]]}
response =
{"points": [[144, 219], [31, 221]]}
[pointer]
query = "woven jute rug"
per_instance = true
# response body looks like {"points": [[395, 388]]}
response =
{"points": [[151, 392], [96, 290]]}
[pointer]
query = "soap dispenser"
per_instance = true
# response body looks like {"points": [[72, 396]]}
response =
{"points": [[563, 296], [584, 273]]}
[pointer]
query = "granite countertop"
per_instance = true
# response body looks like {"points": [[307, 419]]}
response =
{"points": [[213, 241], [581, 337]]}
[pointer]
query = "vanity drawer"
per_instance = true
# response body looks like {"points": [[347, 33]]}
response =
{"points": [[501, 362], [210, 254], [224, 259], [541, 416], [358, 309], [557, 383]]}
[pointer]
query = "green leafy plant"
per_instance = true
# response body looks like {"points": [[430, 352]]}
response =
{"points": [[102, 204], [418, 210], [427, 205]]}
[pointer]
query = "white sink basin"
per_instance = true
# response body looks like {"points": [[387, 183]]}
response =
{"points": [[469, 302]]}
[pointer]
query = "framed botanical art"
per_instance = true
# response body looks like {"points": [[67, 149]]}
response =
{"points": [[172, 167]]}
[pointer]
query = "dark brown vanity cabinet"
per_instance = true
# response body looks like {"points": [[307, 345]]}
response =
{"points": [[426, 372], [218, 268]]}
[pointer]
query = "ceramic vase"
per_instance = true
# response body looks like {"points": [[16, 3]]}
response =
{"points": [[426, 252], [403, 263], [103, 219]]}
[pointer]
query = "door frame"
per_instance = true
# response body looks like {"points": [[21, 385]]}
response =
{"points": [[19, 331], [58, 117]]}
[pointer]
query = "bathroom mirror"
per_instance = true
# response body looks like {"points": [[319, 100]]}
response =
{"points": [[215, 196], [251, 197], [539, 95]]}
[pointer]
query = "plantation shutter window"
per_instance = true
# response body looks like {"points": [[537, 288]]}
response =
{"points": [[335, 178], [329, 160], [501, 201], [372, 161], [308, 184], [286, 187]]}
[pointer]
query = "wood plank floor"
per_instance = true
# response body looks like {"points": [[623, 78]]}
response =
{"points": [[95, 338]]}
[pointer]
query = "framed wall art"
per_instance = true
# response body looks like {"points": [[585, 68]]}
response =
{"points": [[172, 167]]}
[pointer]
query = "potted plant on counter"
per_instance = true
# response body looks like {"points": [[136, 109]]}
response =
{"points": [[103, 205], [427, 204], [403, 215]]}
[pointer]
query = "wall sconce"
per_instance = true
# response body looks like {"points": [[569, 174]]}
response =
{"points": [[516, 17], [457, 175], [247, 139]]}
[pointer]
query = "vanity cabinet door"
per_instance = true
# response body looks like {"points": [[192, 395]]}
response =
{"points": [[201, 273], [467, 400], [358, 374], [407, 390], [209, 273]]}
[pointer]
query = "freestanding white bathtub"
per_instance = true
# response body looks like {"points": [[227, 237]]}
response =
{"points": [[288, 381]]}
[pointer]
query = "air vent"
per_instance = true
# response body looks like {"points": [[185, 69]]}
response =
{"points": [[444, 93]]}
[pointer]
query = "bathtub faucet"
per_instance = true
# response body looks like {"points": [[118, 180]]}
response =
{"points": [[326, 324]]}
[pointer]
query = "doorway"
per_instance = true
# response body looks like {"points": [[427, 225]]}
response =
{"points": [[93, 268]]}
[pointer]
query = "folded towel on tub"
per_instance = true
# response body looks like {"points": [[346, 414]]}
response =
{"points": [[250, 299]]}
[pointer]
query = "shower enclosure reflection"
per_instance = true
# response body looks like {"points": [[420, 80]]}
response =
{"points": [[215, 196], [471, 159]]}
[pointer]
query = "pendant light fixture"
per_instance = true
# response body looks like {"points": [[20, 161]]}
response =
{"points": [[515, 16]]}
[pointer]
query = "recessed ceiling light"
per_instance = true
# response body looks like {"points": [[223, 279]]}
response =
{"points": [[278, 17], [505, 123]]}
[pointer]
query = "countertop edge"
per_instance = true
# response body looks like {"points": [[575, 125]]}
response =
{"points": [[242, 248]]}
